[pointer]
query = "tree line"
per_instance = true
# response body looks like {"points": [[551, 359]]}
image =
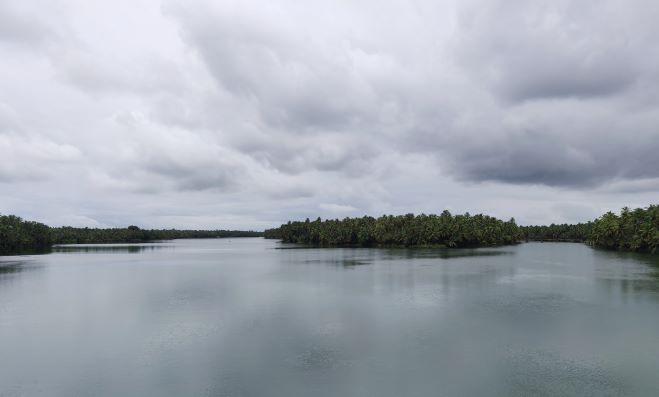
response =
{"points": [[632, 230], [21, 236], [579, 232], [133, 234], [17, 235], [405, 230]]}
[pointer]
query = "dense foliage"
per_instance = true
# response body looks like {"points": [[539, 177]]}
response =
{"points": [[404, 230], [632, 230], [564, 232], [17, 235], [133, 234]]}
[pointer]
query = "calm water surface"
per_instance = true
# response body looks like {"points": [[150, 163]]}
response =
{"points": [[244, 317]]}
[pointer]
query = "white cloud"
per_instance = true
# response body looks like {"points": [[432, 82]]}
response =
{"points": [[336, 208], [234, 114]]}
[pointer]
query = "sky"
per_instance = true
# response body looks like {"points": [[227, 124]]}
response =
{"points": [[245, 114]]}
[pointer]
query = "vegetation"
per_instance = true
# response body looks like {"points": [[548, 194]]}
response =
{"points": [[133, 234], [20, 236], [632, 230], [405, 230], [17, 235], [572, 233]]}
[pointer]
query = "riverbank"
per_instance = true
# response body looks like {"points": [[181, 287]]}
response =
{"points": [[632, 230], [18, 236]]}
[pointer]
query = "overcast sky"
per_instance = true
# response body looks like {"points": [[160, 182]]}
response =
{"points": [[244, 114]]}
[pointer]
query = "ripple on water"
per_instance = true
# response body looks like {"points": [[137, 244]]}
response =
{"points": [[541, 373]]}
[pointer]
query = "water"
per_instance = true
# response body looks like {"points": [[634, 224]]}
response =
{"points": [[243, 317]]}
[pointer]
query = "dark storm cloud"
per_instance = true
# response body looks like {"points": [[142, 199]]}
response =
{"points": [[532, 160], [535, 50], [634, 186], [541, 159], [585, 66], [587, 149], [570, 80]]}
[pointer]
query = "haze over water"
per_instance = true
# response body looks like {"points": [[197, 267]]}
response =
{"points": [[254, 317]]}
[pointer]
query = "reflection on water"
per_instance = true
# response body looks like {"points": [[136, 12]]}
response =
{"points": [[649, 259], [110, 248], [445, 253], [12, 269], [627, 277], [241, 318], [9, 265], [410, 253], [339, 262], [350, 257]]}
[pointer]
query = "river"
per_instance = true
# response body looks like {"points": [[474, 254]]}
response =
{"points": [[254, 317]]}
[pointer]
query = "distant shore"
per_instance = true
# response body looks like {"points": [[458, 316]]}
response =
{"points": [[18, 236], [632, 230]]}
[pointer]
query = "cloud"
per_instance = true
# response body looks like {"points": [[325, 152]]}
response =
{"points": [[337, 208], [255, 113], [633, 186], [33, 158], [530, 51], [567, 143], [105, 74], [143, 156], [28, 156], [558, 93], [307, 84], [298, 72], [21, 23]]}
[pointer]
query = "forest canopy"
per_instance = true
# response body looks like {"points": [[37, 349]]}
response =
{"points": [[404, 230], [17, 235], [21, 236], [631, 230]]}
